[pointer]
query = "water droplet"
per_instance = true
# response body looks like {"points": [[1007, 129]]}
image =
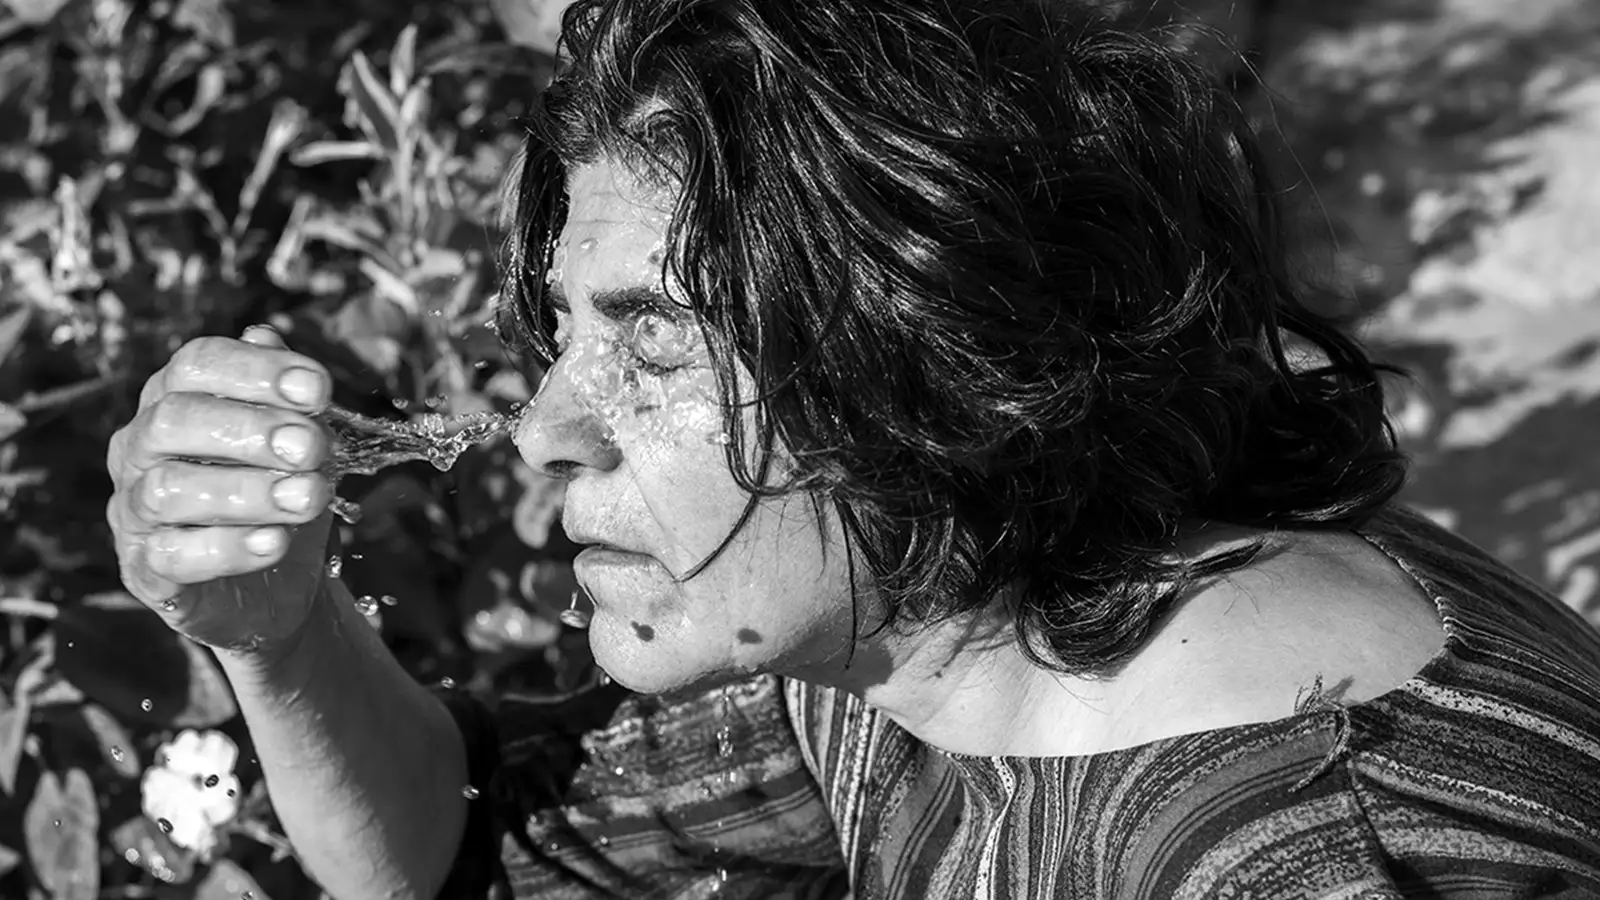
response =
{"points": [[725, 742], [722, 875], [57, 823], [389, 600], [470, 792], [447, 683], [720, 439], [168, 605], [247, 895], [348, 511], [117, 754], [131, 855], [401, 403], [367, 604], [232, 792], [335, 566], [619, 771], [603, 841], [146, 705], [605, 679], [588, 244], [212, 780], [164, 825], [435, 401]]}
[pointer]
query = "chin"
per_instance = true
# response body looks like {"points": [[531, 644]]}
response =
{"points": [[651, 667]]}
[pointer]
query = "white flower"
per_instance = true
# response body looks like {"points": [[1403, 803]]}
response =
{"points": [[192, 791]]}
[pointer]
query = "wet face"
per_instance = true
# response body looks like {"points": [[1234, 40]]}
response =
{"points": [[629, 415]]}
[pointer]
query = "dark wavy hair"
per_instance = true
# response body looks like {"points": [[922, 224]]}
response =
{"points": [[1010, 280]]}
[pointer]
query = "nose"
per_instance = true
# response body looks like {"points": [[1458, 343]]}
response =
{"points": [[558, 434]]}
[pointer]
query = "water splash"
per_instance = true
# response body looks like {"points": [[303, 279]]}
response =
{"points": [[364, 445]]}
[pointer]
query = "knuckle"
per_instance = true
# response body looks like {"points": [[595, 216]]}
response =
{"points": [[115, 451], [154, 386], [168, 414], [152, 493], [114, 519], [197, 352]]}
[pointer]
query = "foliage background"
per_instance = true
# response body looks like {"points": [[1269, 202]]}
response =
{"points": [[171, 168]]}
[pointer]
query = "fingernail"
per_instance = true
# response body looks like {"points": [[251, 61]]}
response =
{"points": [[301, 386], [293, 494], [263, 541], [292, 443], [258, 334]]}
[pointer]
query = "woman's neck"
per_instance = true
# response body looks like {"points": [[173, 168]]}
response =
{"points": [[966, 687]]}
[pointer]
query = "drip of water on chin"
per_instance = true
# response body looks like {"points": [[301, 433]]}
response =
{"points": [[365, 445]]}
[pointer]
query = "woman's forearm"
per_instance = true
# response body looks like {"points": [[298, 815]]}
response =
{"points": [[365, 767]]}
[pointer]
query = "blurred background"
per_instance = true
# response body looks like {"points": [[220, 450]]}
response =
{"points": [[171, 168]]}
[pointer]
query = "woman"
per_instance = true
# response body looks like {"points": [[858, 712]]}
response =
{"points": [[958, 515]]}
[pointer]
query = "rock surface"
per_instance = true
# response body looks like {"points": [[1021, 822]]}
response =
{"points": [[1454, 146]]}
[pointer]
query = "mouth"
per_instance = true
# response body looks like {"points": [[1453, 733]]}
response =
{"points": [[609, 571]]}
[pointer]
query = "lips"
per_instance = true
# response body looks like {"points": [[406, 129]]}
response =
{"points": [[595, 542]]}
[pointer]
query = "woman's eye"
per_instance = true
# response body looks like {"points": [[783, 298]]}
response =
{"points": [[661, 345]]}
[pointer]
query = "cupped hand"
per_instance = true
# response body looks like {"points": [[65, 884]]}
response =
{"points": [[218, 509]]}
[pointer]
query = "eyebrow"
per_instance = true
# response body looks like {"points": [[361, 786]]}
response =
{"points": [[624, 304]]}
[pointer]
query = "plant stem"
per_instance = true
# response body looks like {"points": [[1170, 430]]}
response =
{"points": [[28, 608]]}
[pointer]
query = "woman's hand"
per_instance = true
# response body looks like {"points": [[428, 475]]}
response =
{"points": [[218, 508]]}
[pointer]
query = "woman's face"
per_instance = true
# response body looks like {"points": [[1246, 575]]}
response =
{"points": [[629, 416]]}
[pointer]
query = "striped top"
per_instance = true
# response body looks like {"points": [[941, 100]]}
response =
{"points": [[1478, 777]]}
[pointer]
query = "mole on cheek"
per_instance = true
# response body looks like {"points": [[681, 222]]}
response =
{"points": [[644, 632]]}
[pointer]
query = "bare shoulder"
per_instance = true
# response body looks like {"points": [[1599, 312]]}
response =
{"points": [[1244, 647]]}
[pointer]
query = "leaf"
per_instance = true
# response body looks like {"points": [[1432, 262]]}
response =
{"points": [[227, 881], [140, 842], [208, 19], [356, 232], [35, 12], [11, 330], [318, 152], [60, 825], [529, 23], [379, 114], [13, 733], [210, 702], [391, 286], [8, 859], [11, 421], [403, 61], [125, 658], [115, 742]]}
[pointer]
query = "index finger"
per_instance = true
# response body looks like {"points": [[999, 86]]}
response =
{"points": [[257, 370]]}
